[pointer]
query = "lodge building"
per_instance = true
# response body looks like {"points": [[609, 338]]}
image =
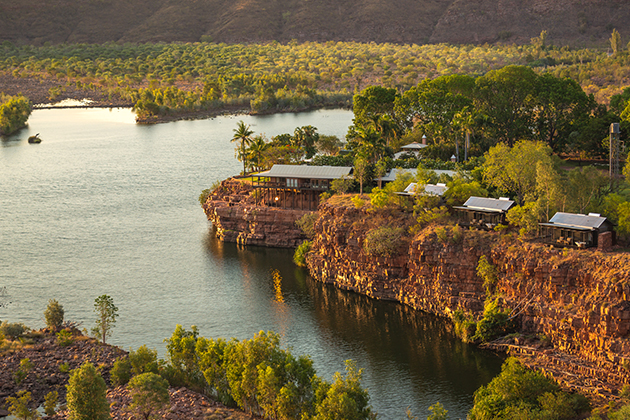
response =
{"points": [[577, 231], [483, 213], [295, 186]]}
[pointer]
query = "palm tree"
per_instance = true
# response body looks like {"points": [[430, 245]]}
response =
{"points": [[255, 152], [242, 134], [371, 143]]}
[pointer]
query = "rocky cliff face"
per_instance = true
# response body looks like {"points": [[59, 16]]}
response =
{"points": [[236, 218], [575, 302]]}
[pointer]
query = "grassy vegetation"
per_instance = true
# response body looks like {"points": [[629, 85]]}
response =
{"points": [[160, 78]]}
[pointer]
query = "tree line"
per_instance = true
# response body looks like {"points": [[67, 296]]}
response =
{"points": [[184, 77]]}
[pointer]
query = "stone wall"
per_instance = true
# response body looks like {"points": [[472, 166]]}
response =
{"points": [[575, 302], [236, 218]]}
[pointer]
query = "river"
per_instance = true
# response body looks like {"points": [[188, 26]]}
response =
{"points": [[106, 206]]}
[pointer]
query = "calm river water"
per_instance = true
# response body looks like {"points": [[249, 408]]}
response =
{"points": [[105, 206]]}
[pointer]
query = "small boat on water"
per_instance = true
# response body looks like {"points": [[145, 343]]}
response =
{"points": [[34, 139]]}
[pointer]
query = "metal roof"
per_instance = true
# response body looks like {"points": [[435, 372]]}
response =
{"points": [[392, 174], [306, 171], [489, 204], [429, 189], [414, 146], [577, 221]]}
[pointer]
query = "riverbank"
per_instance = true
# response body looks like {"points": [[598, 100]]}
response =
{"points": [[570, 306], [51, 366], [49, 92]]}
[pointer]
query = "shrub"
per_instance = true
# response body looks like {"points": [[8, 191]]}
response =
{"points": [[465, 326], [495, 322], [425, 217], [18, 406], [50, 403], [54, 315], [86, 397], [518, 392], [22, 372], [64, 367], [383, 241], [204, 195], [358, 202], [64, 338], [120, 373], [344, 398], [143, 360], [299, 258], [488, 273], [12, 330], [307, 224], [149, 394], [341, 185], [183, 368]]}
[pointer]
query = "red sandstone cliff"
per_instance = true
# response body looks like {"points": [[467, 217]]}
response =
{"points": [[573, 305], [576, 300], [232, 210]]}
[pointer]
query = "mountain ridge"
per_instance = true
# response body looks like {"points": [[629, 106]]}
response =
{"points": [[567, 22]]}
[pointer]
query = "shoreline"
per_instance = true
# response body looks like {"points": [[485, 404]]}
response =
{"points": [[439, 278], [37, 91]]}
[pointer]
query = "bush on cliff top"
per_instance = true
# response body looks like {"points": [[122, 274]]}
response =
{"points": [[383, 241], [520, 393]]}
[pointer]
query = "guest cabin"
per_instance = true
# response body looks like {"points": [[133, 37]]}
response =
{"points": [[295, 186], [483, 213], [577, 230]]}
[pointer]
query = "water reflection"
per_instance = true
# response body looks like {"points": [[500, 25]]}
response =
{"points": [[411, 358]]}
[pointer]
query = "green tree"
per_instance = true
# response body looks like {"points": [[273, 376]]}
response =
{"points": [[437, 412], [183, 368], [305, 138], [87, 394], [242, 135], [372, 103], [18, 406], [14, 112], [341, 185], [431, 106], [518, 392], [615, 42], [540, 41], [550, 190], [562, 108], [256, 153], [514, 170], [328, 145], [585, 187], [507, 97], [106, 313], [50, 403], [344, 398], [149, 394], [54, 315], [361, 172]]}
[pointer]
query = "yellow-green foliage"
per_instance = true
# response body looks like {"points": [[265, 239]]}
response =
{"points": [[520, 393], [14, 112], [488, 273], [299, 258], [384, 241]]}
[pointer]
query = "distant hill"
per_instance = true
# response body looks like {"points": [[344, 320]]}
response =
{"points": [[568, 22]]}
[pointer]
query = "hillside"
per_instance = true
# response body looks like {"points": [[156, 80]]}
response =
{"points": [[568, 22]]}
